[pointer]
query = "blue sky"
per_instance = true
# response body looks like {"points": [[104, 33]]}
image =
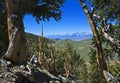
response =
{"points": [[73, 20]]}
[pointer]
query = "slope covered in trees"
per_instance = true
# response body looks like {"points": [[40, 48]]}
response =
{"points": [[83, 47], [66, 63]]}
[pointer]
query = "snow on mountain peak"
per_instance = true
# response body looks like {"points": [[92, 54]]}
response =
{"points": [[73, 36]]}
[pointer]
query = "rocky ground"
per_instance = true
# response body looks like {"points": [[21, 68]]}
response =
{"points": [[24, 74]]}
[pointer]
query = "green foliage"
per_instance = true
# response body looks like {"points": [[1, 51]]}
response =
{"points": [[42, 9], [108, 9], [33, 42], [114, 69], [83, 47], [75, 64], [94, 74], [114, 31], [110, 50], [60, 56], [83, 70]]}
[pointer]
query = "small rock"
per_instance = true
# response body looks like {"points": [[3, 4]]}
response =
{"points": [[1, 75], [13, 79], [8, 63], [22, 67]]}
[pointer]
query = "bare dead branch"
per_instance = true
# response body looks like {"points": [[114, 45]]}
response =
{"points": [[109, 77], [106, 34], [111, 39]]}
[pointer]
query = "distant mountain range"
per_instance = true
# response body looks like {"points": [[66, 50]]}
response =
{"points": [[74, 36], [82, 47]]}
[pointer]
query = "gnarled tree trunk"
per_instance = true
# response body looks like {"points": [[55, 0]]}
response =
{"points": [[17, 49], [100, 58]]}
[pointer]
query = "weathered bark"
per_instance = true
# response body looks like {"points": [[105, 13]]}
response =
{"points": [[111, 39], [41, 46], [100, 58], [108, 36], [105, 33], [110, 78], [17, 49], [66, 68]]}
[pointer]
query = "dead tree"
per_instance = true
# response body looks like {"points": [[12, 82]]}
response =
{"points": [[41, 47]]}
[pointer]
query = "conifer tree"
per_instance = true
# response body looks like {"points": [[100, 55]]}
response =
{"points": [[101, 14], [75, 64], [16, 9], [94, 74], [99, 56]]}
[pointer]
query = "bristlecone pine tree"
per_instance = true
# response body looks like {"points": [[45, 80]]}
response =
{"points": [[16, 9], [101, 14], [17, 49], [46, 54], [100, 58]]}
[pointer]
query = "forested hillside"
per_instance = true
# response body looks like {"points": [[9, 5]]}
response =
{"points": [[61, 57], [83, 47], [27, 58]]}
